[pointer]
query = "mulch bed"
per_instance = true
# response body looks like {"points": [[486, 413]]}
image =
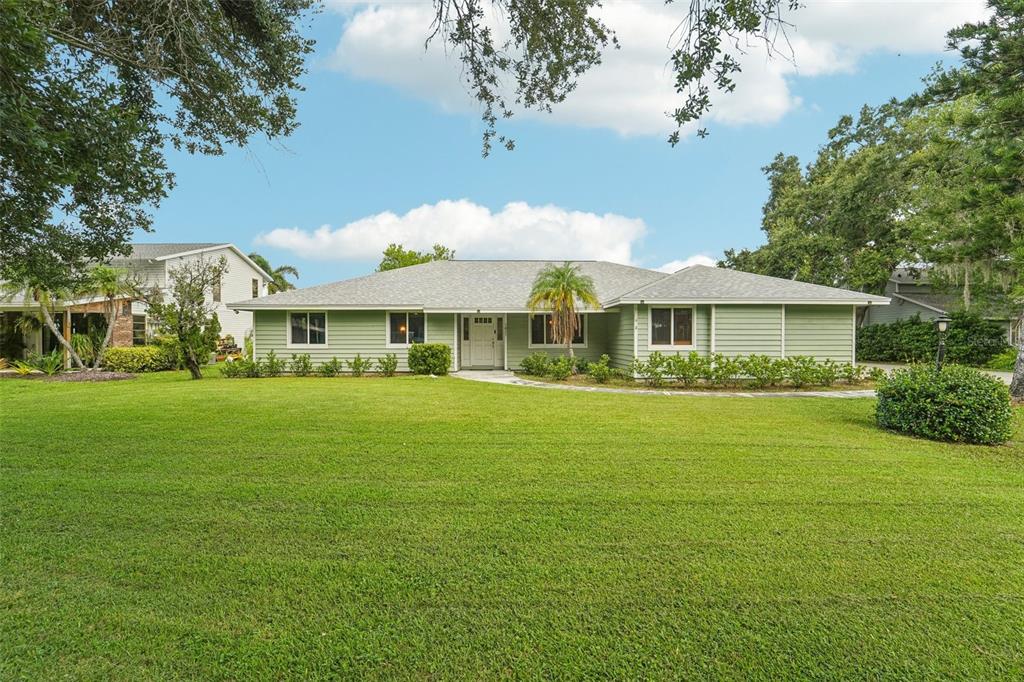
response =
{"points": [[72, 376]]}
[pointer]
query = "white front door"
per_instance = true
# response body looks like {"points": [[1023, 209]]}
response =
{"points": [[482, 340]]}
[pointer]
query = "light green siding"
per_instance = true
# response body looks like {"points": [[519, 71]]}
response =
{"points": [[620, 336], [701, 331], [823, 331], [519, 339], [898, 310], [748, 330], [348, 332]]}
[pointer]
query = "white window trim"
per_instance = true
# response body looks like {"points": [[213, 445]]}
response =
{"points": [[529, 334], [387, 327], [672, 328], [288, 330]]}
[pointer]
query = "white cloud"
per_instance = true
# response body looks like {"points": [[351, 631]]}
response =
{"points": [[631, 91], [518, 230], [677, 265]]}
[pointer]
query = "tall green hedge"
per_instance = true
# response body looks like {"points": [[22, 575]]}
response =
{"points": [[971, 340], [137, 359]]}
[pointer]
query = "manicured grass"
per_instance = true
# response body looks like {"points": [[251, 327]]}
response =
{"points": [[438, 528]]}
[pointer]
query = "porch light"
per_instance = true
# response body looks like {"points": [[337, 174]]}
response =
{"points": [[941, 326]]}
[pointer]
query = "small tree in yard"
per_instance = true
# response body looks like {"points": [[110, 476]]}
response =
{"points": [[187, 313], [556, 290], [113, 284]]}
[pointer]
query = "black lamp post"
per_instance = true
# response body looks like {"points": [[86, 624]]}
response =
{"points": [[941, 325]]}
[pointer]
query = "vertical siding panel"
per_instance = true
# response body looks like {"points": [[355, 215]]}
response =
{"points": [[822, 332]]}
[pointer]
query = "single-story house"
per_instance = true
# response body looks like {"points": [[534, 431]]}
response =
{"points": [[913, 294], [479, 309], [151, 264]]}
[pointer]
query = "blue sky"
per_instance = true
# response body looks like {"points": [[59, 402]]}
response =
{"points": [[371, 142]]}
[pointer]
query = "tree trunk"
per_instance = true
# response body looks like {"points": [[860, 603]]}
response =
{"points": [[1017, 383], [193, 365], [111, 319], [60, 337]]}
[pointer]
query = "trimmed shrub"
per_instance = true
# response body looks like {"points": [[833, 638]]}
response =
{"points": [[653, 370], [971, 340], [272, 366], [688, 369], [331, 368], [600, 371], [724, 371], [764, 371], [388, 365], [233, 370], [536, 364], [801, 370], [852, 374], [561, 368], [359, 366], [828, 373], [430, 358], [301, 365], [958, 404], [136, 359]]}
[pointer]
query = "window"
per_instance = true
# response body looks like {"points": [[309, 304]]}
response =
{"points": [[216, 291], [671, 326], [255, 288], [501, 329], [307, 329], [406, 328], [542, 325], [465, 329], [138, 330]]}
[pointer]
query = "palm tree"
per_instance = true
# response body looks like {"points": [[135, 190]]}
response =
{"points": [[112, 284], [278, 281], [556, 290], [47, 299]]}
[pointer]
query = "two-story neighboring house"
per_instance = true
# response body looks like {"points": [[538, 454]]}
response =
{"points": [[152, 264], [911, 293]]}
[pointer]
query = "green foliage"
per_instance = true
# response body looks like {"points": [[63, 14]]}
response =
{"points": [[1005, 361], [958, 404], [301, 365], [725, 371], [763, 371], [828, 373], [388, 365], [971, 340], [186, 313], [331, 368], [23, 368], [359, 365], [279, 275], [430, 358], [561, 368], [85, 346], [47, 363], [94, 92], [801, 370], [234, 369], [137, 359], [556, 289], [852, 374], [395, 256], [689, 369], [271, 366], [536, 364], [600, 371], [653, 371]]}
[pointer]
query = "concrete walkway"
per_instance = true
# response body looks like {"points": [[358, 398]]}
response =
{"points": [[1005, 377], [509, 379]]}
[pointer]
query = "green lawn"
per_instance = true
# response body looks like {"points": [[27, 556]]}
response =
{"points": [[437, 528]]}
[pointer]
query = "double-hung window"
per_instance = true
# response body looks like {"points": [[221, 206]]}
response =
{"points": [[307, 329], [542, 326], [672, 327], [406, 328]]}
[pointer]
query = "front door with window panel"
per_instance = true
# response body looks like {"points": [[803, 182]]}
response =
{"points": [[486, 344]]}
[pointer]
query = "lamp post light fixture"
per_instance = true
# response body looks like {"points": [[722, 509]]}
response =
{"points": [[942, 326]]}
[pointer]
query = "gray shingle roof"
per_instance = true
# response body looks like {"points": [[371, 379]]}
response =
{"points": [[452, 285], [162, 250], [705, 283], [498, 285]]}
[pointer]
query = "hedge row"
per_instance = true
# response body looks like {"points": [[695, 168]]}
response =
{"points": [[136, 359], [424, 358], [970, 340]]}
